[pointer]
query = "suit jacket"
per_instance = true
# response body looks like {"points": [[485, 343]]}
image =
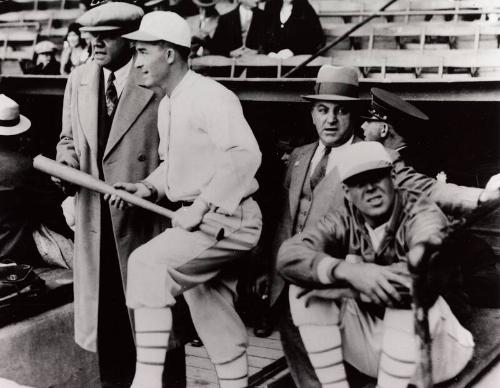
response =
{"points": [[130, 155], [329, 196], [302, 33], [227, 35]]}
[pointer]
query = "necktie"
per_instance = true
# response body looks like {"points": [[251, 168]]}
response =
{"points": [[111, 95], [320, 170]]}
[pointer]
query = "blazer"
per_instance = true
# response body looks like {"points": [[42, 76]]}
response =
{"points": [[329, 196], [227, 36], [130, 155]]}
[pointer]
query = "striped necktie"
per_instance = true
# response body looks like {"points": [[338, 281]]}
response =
{"points": [[111, 95], [320, 170]]}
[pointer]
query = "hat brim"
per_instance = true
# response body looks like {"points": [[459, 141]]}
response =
{"points": [[201, 4], [99, 28], [329, 97], [23, 125], [366, 167], [141, 36]]}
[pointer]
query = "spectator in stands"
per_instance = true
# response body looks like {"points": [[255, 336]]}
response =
{"points": [[109, 130], [75, 51], [27, 198], [184, 8], [240, 31], [45, 59], [203, 27], [293, 28], [355, 263]]}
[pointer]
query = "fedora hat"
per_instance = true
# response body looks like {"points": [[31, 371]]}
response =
{"points": [[335, 83], [205, 3], [11, 122]]}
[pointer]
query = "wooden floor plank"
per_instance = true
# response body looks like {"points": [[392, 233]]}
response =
{"points": [[201, 372]]}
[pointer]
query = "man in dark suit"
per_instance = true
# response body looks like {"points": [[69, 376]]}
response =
{"points": [[240, 31], [109, 130]]}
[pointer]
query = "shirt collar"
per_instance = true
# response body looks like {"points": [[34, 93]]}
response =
{"points": [[321, 146], [184, 83], [120, 76]]}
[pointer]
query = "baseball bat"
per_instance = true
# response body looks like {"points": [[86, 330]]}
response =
{"points": [[87, 181], [418, 268]]}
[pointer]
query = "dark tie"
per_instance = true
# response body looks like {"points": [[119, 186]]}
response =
{"points": [[320, 170], [111, 95]]}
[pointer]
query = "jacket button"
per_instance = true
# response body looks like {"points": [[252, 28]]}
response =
{"points": [[141, 158]]}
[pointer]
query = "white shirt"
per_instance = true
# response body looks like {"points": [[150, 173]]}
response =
{"points": [[121, 76], [208, 148], [377, 234], [332, 158], [246, 15], [286, 11]]}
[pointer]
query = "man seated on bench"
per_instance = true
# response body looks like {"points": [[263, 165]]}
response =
{"points": [[356, 261]]}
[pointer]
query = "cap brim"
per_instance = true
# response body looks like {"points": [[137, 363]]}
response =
{"points": [[141, 36], [371, 118], [23, 126], [329, 97], [199, 3], [99, 28]]}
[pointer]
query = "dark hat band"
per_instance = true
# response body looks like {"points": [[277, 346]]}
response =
{"points": [[10, 123], [337, 88]]}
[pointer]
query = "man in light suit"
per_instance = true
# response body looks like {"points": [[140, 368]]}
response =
{"points": [[210, 157], [109, 131], [309, 193]]}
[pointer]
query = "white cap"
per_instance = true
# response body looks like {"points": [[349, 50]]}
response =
{"points": [[45, 46], [162, 25], [361, 157], [11, 122]]}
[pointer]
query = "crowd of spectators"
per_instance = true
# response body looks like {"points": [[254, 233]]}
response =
{"points": [[232, 28]]}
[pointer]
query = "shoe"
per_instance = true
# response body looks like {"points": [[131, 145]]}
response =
{"points": [[196, 342], [263, 328]]}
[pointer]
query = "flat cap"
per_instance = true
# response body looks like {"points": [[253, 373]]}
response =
{"points": [[386, 106], [111, 16], [361, 157]]}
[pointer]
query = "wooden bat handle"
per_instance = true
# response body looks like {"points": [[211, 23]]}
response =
{"points": [[87, 181]]}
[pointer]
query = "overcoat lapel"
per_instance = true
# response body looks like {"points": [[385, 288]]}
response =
{"points": [[300, 168], [88, 105], [132, 102]]}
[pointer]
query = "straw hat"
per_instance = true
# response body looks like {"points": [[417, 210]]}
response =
{"points": [[11, 122]]}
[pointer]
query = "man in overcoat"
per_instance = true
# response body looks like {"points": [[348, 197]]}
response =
{"points": [[109, 130]]}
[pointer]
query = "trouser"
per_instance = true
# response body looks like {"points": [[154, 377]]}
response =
{"points": [[115, 342], [378, 346], [196, 265]]}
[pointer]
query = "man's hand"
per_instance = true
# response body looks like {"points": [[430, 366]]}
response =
{"points": [[67, 188], [190, 217], [491, 193], [242, 51], [373, 281], [138, 189]]}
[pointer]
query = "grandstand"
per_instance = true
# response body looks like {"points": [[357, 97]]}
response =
{"points": [[410, 40]]}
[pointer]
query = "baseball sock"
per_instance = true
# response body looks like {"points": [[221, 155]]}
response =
{"points": [[152, 328], [399, 350], [233, 374], [324, 348]]}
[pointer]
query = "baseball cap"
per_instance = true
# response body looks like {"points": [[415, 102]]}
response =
{"points": [[162, 25], [361, 157]]}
